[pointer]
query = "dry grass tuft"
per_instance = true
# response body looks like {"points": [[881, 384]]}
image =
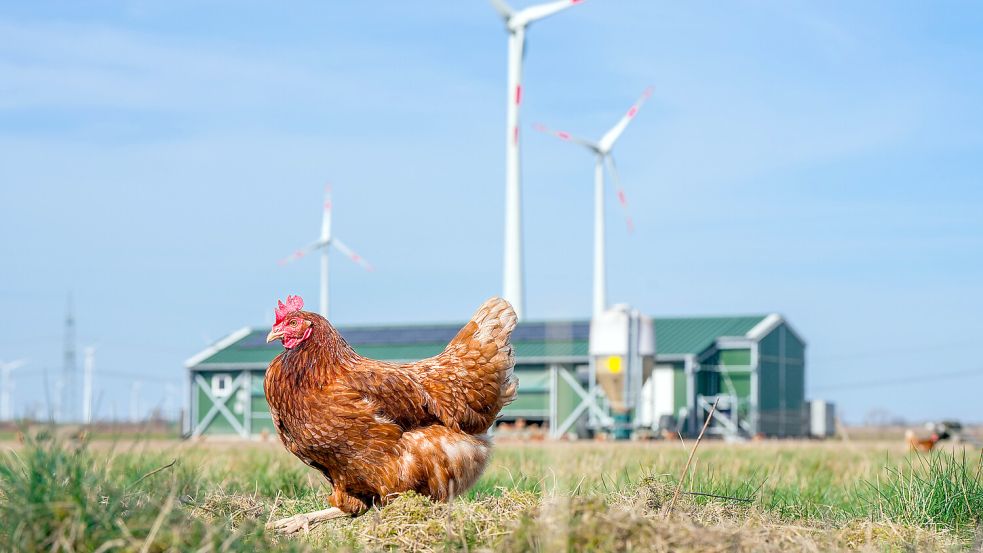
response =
{"points": [[234, 508], [412, 522]]}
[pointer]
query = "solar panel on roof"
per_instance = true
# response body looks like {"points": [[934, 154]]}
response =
{"points": [[397, 335], [441, 334], [551, 331], [255, 340]]}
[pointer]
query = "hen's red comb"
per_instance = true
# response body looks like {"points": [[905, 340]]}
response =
{"points": [[294, 304]]}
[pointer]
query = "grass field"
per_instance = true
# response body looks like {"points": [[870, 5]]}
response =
{"points": [[106, 496]]}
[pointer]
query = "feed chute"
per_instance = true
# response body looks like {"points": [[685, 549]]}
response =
{"points": [[622, 351]]}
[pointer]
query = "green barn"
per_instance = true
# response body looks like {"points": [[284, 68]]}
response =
{"points": [[755, 364]]}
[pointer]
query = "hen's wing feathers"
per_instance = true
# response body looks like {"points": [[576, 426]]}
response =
{"points": [[392, 392], [473, 379]]}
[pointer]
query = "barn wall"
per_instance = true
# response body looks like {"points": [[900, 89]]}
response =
{"points": [[781, 384], [533, 400], [680, 382], [728, 371], [203, 404], [260, 420]]}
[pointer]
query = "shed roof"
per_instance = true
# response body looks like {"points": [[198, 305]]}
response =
{"points": [[551, 339], [682, 335]]}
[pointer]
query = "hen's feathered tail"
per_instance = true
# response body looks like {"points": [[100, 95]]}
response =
{"points": [[473, 379], [496, 320]]}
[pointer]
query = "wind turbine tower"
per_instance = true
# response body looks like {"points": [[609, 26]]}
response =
{"points": [[516, 23], [603, 156], [324, 243]]}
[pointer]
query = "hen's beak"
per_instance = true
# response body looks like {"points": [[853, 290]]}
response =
{"points": [[273, 335]]}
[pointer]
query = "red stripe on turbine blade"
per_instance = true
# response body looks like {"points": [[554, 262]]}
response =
{"points": [[563, 135], [576, 1], [539, 127], [632, 111], [621, 198], [518, 94], [327, 206], [515, 135]]}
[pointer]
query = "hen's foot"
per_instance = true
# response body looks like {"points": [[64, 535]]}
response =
{"points": [[304, 521]]}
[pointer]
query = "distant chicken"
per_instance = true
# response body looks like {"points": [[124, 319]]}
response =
{"points": [[376, 429], [916, 443]]}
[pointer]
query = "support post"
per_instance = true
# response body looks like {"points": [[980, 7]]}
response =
{"points": [[554, 415]]}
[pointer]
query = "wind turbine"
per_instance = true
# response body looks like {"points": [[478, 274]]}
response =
{"points": [[516, 23], [603, 155], [323, 243], [6, 407]]}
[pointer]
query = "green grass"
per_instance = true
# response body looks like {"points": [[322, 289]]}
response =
{"points": [[944, 490], [58, 496]]}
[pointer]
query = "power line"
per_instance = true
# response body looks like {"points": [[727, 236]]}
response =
{"points": [[137, 376], [902, 381], [894, 351], [116, 374]]}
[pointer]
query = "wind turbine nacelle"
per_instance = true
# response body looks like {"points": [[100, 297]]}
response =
{"points": [[622, 346]]}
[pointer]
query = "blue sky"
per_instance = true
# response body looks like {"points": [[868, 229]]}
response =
{"points": [[822, 161]]}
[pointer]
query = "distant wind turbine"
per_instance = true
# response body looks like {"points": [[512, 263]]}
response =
{"points": [[603, 155], [516, 23], [6, 386], [323, 243], [88, 366]]}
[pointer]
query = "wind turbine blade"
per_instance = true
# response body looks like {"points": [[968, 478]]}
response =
{"points": [[301, 252], [14, 365], [610, 137], [565, 136], [352, 255], [539, 11], [502, 8], [326, 219], [622, 200]]}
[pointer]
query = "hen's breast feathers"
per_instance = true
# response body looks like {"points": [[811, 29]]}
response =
{"points": [[328, 422]]}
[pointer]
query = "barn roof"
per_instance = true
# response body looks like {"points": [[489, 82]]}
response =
{"points": [[544, 340], [683, 335]]}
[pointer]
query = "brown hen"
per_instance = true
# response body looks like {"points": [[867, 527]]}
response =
{"points": [[376, 429]]}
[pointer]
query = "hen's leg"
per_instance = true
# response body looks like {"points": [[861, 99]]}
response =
{"points": [[342, 503], [305, 521], [347, 502]]}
